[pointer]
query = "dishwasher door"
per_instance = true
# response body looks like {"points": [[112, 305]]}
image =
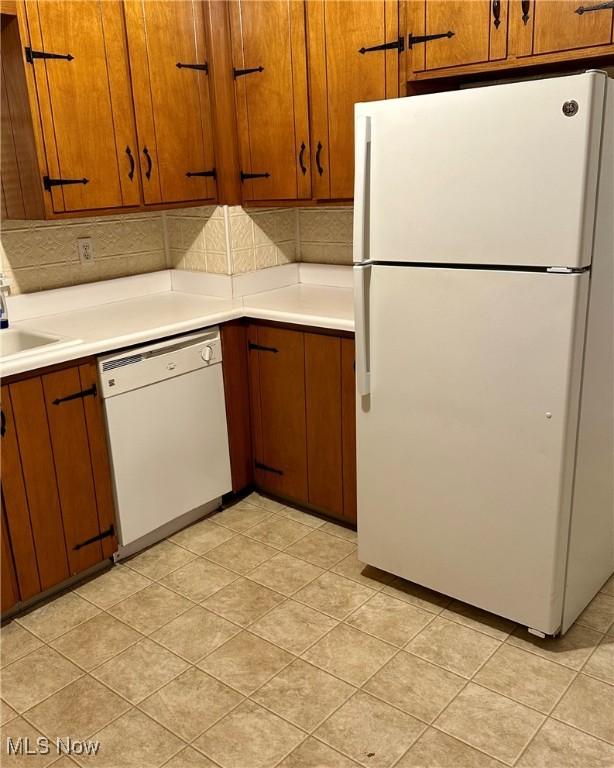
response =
{"points": [[167, 432]]}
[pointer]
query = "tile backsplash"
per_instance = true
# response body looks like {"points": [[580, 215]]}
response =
{"points": [[38, 255]]}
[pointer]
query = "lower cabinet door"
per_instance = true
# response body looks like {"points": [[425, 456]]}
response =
{"points": [[73, 468], [323, 411], [43, 501], [16, 513], [277, 389]]}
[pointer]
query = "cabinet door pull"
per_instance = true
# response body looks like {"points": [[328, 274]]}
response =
{"points": [[131, 160], [212, 173], [496, 13], [2, 423], [105, 534], [301, 155], [414, 39], [149, 163], [398, 45], [245, 176], [599, 7], [90, 392], [266, 468], [202, 67], [261, 348], [525, 6], [319, 149]]}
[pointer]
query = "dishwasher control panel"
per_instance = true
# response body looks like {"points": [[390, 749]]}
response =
{"points": [[141, 366]]}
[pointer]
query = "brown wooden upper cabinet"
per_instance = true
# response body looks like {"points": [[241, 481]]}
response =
{"points": [[169, 66], [77, 68], [551, 26], [119, 110], [451, 33], [270, 75], [354, 53]]}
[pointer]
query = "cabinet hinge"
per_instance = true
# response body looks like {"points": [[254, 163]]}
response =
{"points": [[398, 45], [48, 183], [91, 392], [105, 534], [414, 39], [202, 67], [212, 173], [599, 7], [266, 468], [261, 348], [240, 72], [31, 55], [245, 176]]}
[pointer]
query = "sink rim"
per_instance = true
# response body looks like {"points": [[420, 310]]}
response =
{"points": [[53, 341]]}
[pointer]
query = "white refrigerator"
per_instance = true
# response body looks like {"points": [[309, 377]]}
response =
{"points": [[484, 284]]}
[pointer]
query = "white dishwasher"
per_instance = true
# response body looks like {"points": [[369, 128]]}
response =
{"points": [[166, 420]]}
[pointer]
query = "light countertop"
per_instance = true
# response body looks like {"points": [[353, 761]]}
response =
{"points": [[104, 317]]}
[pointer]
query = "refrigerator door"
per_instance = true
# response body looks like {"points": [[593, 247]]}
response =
{"points": [[503, 175], [466, 439]]}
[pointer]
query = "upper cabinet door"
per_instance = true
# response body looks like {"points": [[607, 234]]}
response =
{"points": [[270, 74], [82, 82], [451, 33], [348, 63], [561, 25], [171, 96]]}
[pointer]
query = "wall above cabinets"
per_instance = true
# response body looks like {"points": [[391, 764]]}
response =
{"points": [[117, 106]]}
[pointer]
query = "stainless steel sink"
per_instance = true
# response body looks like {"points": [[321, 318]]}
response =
{"points": [[18, 341]]}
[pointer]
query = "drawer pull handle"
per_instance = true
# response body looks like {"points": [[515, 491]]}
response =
{"points": [[91, 392]]}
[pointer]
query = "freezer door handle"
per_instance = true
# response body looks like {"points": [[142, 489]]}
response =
{"points": [[362, 279], [361, 188]]}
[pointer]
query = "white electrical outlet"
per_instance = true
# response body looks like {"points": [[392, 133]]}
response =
{"points": [[86, 249]]}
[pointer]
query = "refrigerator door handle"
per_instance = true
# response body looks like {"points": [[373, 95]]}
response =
{"points": [[361, 188], [362, 280]]}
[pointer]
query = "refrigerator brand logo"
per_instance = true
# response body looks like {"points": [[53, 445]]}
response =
{"points": [[23, 745], [570, 108]]}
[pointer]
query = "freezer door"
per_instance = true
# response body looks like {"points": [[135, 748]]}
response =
{"points": [[466, 440], [503, 175]]}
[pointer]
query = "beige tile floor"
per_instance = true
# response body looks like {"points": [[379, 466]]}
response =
{"points": [[256, 638]]}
